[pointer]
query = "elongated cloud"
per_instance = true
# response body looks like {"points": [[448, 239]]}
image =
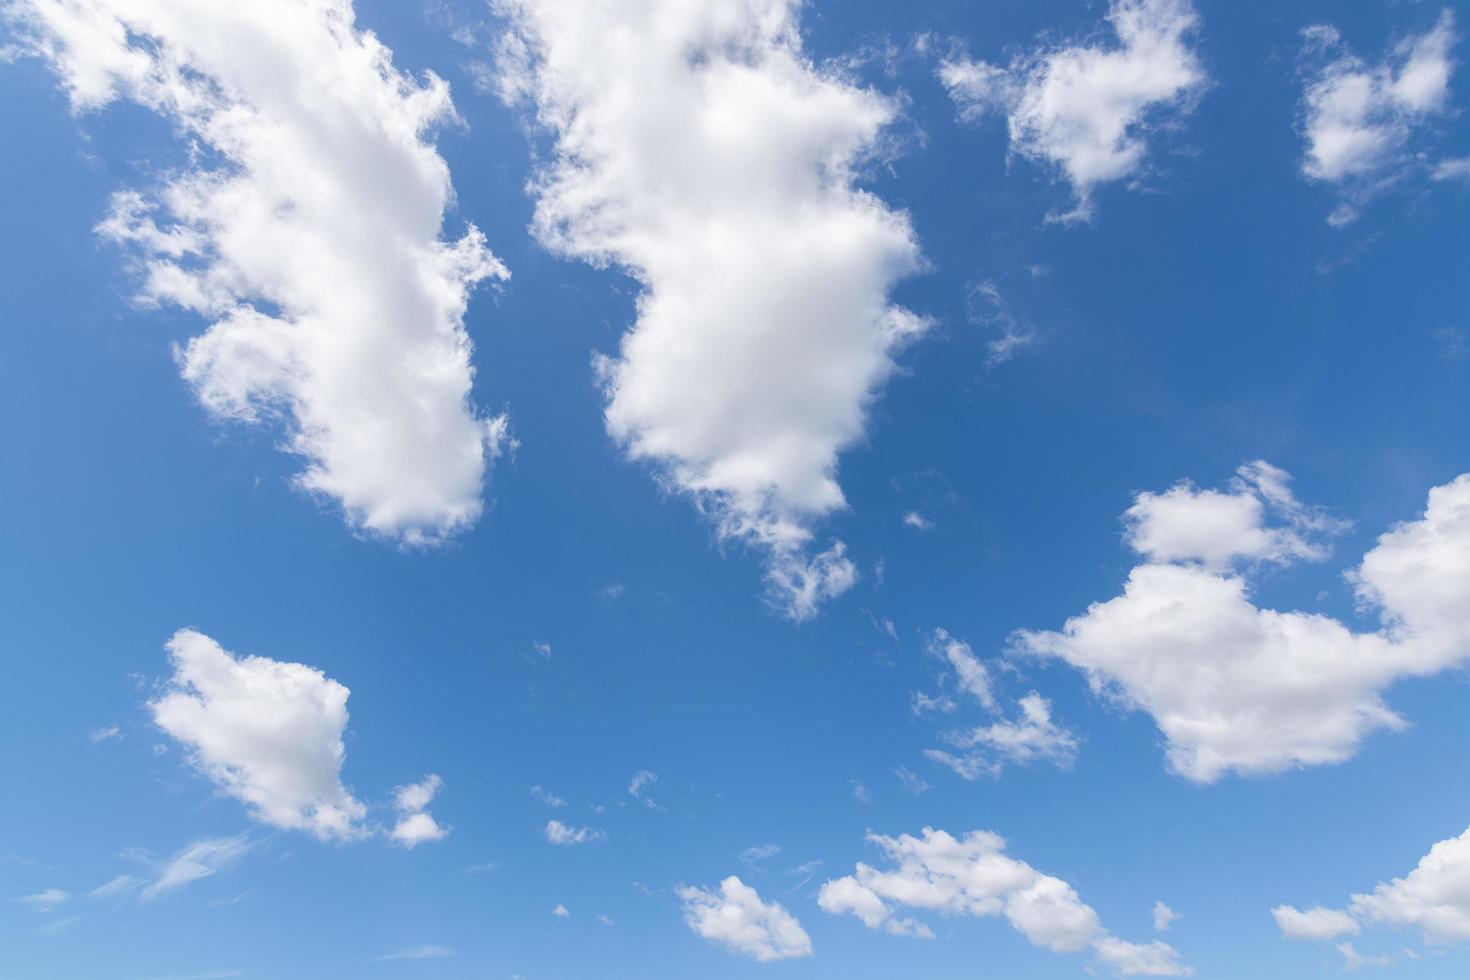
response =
{"points": [[1237, 688], [735, 917], [267, 733], [1088, 110], [1359, 119], [972, 875], [698, 149], [305, 225]]}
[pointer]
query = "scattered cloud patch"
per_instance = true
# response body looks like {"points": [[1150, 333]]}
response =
{"points": [[1164, 917], [638, 788], [45, 901], [104, 734], [550, 799], [561, 912], [1360, 120], [429, 952], [201, 859], [560, 833]]}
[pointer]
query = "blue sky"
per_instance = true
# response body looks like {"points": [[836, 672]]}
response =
{"points": [[946, 324]]}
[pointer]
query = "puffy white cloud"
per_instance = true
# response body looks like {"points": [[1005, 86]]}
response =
{"points": [[972, 875], [1088, 110], [201, 859], [1238, 688], [267, 733], [698, 148], [1434, 897], [417, 825], [1314, 923], [1218, 528], [560, 833], [561, 912], [1358, 119], [735, 917], [306, 226]]}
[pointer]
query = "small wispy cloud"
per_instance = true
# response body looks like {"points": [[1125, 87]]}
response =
{"points": [[428, 952]]}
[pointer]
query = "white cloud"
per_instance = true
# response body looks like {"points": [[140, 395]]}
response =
{"points": [[560, 833], [1218, 528], [1434, 898], [45, 901], [970, 674], [306, 226], [756, 856], [550, 799], [1089, 110], [638, 787], [417, 825], [1314, 923], [972, 875], [917, 521], [1164, 917], [103, 734], [1031, 737], [201, 859], [735, 917], [1354, 960], [1238, 688], [699, 149], [119, 885], [267, 733], [1358, 119], [429, 952], [561, 912]]}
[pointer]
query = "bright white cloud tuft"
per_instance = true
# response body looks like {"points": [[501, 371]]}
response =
{"points": [[1359, 119], [560, 833], [1218, 528], [699, 149], [1238, 688], [735, 917], [417, 825], [1088, 110], [971, 875], [306, 225], [267, 733]]}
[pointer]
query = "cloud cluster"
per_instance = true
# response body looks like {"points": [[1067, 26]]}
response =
{"points": [[697, 148], [1434, 898], [972, 875], [267, 733], [416, 825], [1238, 688], [1359, 119], [1089, 109], [735, 917], [305, 225], [1031, 737]]}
